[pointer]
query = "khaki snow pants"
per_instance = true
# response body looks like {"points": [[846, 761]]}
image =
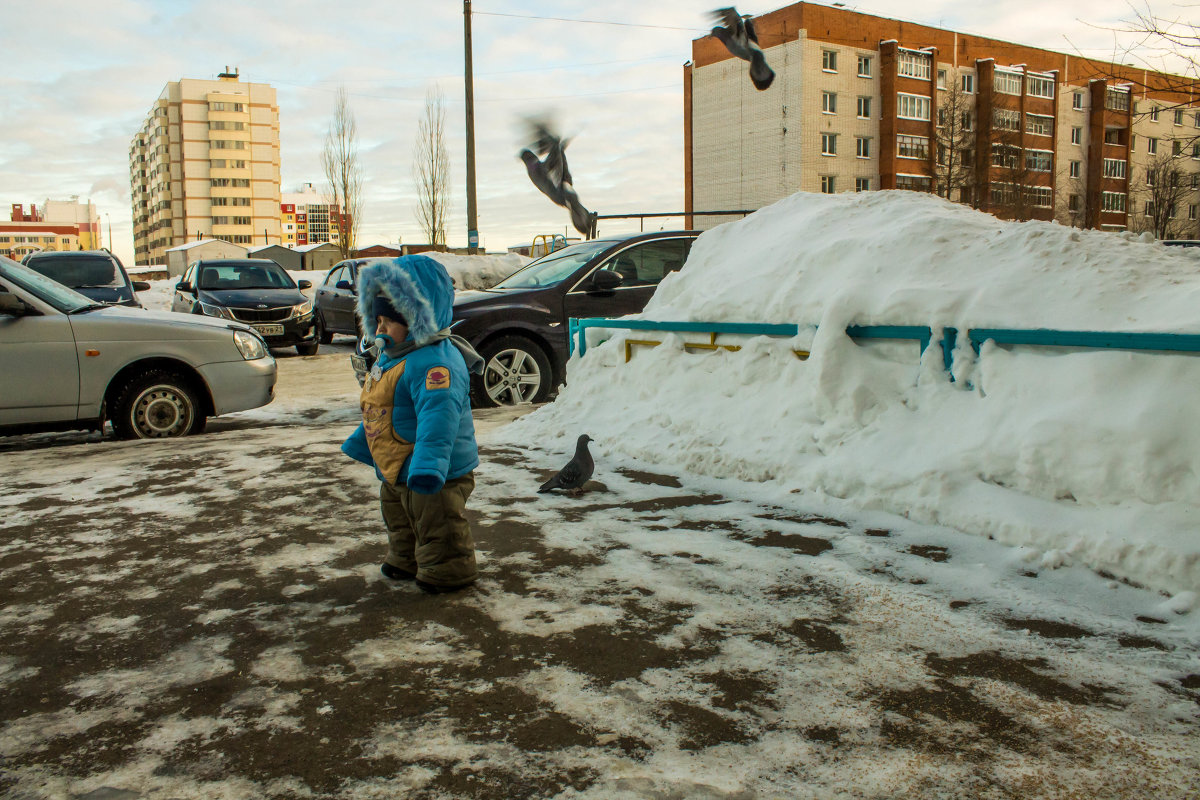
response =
{"points": [[428, 534]]}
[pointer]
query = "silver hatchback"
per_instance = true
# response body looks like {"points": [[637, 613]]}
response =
{"points": [[68, 362]]}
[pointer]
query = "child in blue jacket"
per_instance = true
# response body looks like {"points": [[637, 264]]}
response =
{"points": [[417, 430]]}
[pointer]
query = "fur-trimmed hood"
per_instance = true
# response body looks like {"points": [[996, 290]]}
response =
{"points": [[417, 286]]}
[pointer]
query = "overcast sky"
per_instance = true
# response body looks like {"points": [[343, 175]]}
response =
{"points": [[83, 74]]}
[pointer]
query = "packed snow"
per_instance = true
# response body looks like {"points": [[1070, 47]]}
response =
{"points": [[1082, 456]]}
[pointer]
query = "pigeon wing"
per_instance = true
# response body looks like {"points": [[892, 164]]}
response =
{"points": [[727, 16], [750, 34]]}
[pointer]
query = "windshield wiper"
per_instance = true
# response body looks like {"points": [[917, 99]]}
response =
{"points": [[89, 307], [99, 286]]}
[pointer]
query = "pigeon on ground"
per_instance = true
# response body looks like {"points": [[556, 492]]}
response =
{"points": [[576, 473], [546, 162], [739, 37]]}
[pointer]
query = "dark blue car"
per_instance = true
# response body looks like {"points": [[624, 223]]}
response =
{"points": [[95, 274]]}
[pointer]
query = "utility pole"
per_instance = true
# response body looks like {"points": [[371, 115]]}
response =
{"points": [[472, 221]]}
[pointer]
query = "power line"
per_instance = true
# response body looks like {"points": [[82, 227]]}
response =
{"points": [[589, 21]]}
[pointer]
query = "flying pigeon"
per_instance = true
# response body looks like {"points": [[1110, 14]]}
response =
{"points": [[576, 473], [546, 162], [739, 37]]}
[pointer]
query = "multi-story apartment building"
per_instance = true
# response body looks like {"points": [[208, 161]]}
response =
{"points": [[307, 217], [57, 225], [863, 102], [205, 164]]}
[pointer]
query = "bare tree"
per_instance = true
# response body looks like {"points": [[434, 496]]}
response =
{"points": [[431, 168], [1165, 194], [344, 173], [1014, 189], [954, 167]]}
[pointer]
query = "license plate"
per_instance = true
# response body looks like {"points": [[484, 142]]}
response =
{"points": [[269, 330]]}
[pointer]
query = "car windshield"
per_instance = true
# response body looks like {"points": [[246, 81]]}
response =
{"points": [[50, 291], [244, 275], [79, 271], [554, 268]]}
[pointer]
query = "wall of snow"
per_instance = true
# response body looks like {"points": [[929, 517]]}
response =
{"points": [[1091, 456]]}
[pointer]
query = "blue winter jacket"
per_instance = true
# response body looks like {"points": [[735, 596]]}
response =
{"points": [[429, 437]]}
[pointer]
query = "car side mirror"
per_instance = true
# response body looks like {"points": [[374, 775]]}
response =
{"points": [[141, 286], [183, 286], [12, 306], [304, 284], [605, 280], [344, 285]]}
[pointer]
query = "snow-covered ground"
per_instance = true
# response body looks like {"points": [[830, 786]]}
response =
{"points": [[1082, 457]]}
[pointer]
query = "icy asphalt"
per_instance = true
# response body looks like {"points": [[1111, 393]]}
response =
{"points": [[206, 619]]}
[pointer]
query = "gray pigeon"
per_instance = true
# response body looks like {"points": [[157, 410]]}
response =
{"points": [[739, 38], [546, 162], [576, 473]]}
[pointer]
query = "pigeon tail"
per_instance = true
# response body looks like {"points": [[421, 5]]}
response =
{"points": [[760, 74]]}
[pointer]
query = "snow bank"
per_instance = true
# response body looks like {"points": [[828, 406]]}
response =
{"points": [[1089, 456], [479, 272]]}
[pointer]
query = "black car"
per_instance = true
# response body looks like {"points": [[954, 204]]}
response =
{"points": [[337, 302], [255, 291], [95, 274], [519, 326]]}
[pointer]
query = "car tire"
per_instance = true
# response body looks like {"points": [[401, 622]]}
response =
{"points": [[323, 334], [157, 404], [515, 371], [309, 349]]}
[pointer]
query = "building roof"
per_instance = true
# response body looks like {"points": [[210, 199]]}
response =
{"points": [[305, 248], [262, 247], [199, 242]]}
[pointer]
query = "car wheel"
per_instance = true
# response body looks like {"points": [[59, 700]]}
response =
{"points": [[515, 371], [157, 405], [323, 334], [309, 349]]}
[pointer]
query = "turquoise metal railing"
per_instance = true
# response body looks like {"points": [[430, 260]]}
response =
{"points": [[1169, 342]]}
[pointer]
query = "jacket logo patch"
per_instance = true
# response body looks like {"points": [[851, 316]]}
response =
{"points": [[437, 378]]}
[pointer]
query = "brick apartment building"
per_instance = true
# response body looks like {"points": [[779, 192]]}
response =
{"points": [[56, 225], [307, 217], [862, 102], [205, 164]]}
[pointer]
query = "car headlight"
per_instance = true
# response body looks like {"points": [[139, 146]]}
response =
{"points": [[214, 311], [249, 345], [303, 309]]}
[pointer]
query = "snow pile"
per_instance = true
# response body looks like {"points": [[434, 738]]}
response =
{"points": [[1089, 456], [479, 272]]}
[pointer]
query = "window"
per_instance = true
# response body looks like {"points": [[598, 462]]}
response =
{"points": [[226, 107], [242, 239], [1039, 87], [1039, 124], [1192, 211], [1038, 160], [1004, 119], [864, 108], [912, 106], [914, 183], [968, 84], [1007, 82], [1176, 148], [968, 121], [1196, 181], [220, 201], [941, 155], [1151, 145], [1112, 136], [227, 144], [941, 79], [1149, 212], [862, 147], [241, 220], [1077, 101], [864, 69], [1179, 116], [1149, 177], [1005, 155], [1075, 169], [829, 60], [1076, 135], [829, 144], [864, 185], [1073, 203], [1038, 196], [1114, 168], [827, 183], [1154, 113], [220, 220], [227, 126], [914, 64], [828, 103], [941, 123], [1116, 100], [648, 264], [1197, 120], [1196, 151], [1112, 201], [912, 147], [220, 163]]}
